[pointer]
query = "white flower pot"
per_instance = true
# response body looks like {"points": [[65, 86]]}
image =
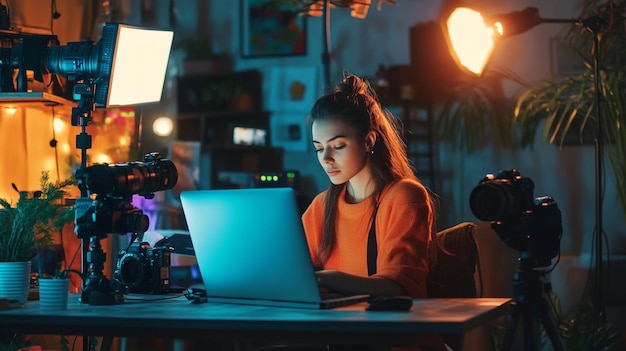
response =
{"points": [[14, 282], [53, 294]]}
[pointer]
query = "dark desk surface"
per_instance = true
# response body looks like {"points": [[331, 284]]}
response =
{"points": [[178, 318]]}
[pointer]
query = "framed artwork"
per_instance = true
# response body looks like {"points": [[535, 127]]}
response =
{"points": [[292, 89], [289, 131], [269, 28]]}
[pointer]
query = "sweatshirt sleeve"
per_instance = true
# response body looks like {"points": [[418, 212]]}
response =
{"points": [[312, 220], [404, 227]]}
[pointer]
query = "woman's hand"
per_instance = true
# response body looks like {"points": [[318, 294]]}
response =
{"points": [[345, 283]]}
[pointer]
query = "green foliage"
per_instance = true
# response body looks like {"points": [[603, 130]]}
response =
{"points": [[477, 112], [566, 104], [12, 342], [579, 331], [582, 330], [33, 220], [65, 343]]}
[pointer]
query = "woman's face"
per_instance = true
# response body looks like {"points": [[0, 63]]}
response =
{"points": [[340, 151]]}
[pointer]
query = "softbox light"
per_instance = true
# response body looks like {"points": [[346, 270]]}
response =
{"points": [[127, 66]]}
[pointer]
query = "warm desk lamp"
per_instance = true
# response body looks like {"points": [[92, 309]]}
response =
{"points": [[472, 38]]}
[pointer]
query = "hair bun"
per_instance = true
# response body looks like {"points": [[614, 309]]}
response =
{"points": [[353, 85]]}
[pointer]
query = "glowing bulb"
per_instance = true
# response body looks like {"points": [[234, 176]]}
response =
{"points": [[65, 147], [58, 125], [471, 40], [10, 110], [124, 140], [163, 126]]}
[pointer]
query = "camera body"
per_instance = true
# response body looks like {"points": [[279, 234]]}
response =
{"points": [[525, 223], [143, 269]]}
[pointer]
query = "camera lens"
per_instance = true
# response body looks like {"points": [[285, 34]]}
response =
{"points": [[131, 270], [496, 201], [126, 179]]}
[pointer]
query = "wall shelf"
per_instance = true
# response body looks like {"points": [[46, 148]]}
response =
{"points": [[34, 99]]}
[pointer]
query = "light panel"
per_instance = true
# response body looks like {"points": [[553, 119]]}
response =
{"points": [[139, 65]]}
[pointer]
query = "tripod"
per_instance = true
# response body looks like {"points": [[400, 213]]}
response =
{"points": [[530, 305]]}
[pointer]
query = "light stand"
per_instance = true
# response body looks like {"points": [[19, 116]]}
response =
{"points": [[593, 25], [326, 54], [97, 289]]}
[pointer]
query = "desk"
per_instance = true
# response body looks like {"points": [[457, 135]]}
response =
{"points": [[178, 318]]}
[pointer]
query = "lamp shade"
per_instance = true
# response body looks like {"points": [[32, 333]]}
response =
{"points": [[472, 36], [470, 40]]}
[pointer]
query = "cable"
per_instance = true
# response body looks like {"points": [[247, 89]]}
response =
{"points": [[139, 132], [53, 144], [54, 14]]}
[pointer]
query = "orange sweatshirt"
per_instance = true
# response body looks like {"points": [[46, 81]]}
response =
{"points": [[403, 234]]}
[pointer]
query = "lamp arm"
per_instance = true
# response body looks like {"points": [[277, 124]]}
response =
{"points": [[592, 24]]}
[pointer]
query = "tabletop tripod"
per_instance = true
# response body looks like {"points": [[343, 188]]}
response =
{"points": [[529, 304]]}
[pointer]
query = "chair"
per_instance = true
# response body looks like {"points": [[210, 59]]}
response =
{"points": [[453, 275]]}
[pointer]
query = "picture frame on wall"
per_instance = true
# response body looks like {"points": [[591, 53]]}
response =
{"points": [[292, 89], [289, 131], [269, 28]]}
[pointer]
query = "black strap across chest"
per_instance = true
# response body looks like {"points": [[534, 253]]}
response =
{"points": [[372, 246]]}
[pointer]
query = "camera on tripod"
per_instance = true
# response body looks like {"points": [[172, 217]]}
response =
{"points": [[143, 269], [112, 211], [531, 225]]}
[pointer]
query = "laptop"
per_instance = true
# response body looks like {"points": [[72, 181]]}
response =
{"points": [[251, 248]]}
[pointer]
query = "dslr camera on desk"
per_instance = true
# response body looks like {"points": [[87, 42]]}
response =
{"points": [[142, 269]]}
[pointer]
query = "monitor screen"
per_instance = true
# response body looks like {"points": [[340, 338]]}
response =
{"points": [[249, 136]]}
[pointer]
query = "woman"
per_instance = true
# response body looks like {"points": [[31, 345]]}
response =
{"points": [[359, 146]]}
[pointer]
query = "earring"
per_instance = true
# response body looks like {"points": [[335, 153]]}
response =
{"points": [[372, 151]]}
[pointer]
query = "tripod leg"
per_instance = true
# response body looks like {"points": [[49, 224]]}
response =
{"points": [[550, 327], [531, 330], [512, 322]]}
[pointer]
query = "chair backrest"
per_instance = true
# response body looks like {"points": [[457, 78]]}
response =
{"points": [[453, 275]]}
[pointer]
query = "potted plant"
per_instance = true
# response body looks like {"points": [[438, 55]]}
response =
{"points": [[26, 228]]}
